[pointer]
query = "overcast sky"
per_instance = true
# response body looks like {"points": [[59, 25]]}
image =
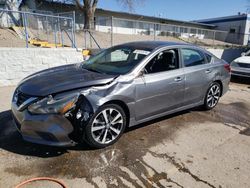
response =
{"points": [[183, 9]]}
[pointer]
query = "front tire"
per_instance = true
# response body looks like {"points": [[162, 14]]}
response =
{"points": [[212, 96], [106, 126]]}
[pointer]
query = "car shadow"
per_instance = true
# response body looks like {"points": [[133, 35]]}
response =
{"points": [[240, 80], [11, 140]]}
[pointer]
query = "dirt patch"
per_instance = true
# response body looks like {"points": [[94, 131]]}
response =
{"points": [[8, 38]]}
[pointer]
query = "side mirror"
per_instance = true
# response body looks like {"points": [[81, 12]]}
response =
{"points": [[243, 54]]}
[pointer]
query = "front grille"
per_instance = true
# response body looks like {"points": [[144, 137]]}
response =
{"points": [[241, 73], [21, 98], [244, 65]]}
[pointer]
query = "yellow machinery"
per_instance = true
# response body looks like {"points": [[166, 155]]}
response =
{"points": [[32, 40]]}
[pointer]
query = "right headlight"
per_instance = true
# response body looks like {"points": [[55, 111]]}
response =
{"points": [[49, 105], [234, 64]]}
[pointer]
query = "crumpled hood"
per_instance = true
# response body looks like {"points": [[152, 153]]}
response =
{"points": [[62, 78]]}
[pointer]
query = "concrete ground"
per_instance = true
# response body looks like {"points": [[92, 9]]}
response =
{"points": [[193, 148]]}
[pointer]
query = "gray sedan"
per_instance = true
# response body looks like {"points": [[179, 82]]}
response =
{"points": [[120, 87]]}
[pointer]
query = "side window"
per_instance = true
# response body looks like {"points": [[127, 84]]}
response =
{"points": [[164, 61], [192, 57]]}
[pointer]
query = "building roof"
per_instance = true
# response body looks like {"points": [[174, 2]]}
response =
{"points": [[238, 17], [156, 19], [131, 16]]}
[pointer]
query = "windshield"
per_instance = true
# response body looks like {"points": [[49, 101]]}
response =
{"points": [[116, 60]]}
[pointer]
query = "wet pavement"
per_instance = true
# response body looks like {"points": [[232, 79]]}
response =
{"points": [[193, 148]]}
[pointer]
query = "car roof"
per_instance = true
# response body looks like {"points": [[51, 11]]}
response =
{"points": [[151, 45]]}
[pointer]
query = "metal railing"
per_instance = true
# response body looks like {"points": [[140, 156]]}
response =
{"points": [[39, 28]]}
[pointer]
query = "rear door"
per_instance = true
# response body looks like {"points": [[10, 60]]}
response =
{"points": [[198, 75]]}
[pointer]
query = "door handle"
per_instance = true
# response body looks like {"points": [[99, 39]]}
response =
{"points": [[178, 79], [208, 71]]}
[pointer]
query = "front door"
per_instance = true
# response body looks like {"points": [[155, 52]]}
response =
{"points": [[161, 87]]}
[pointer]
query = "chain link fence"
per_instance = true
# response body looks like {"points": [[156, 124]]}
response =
{"points": [[37, 29], [109, 31], [47, 29]]}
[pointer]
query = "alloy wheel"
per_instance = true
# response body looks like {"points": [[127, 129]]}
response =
{"points": [[107, 126], [213, 95]]}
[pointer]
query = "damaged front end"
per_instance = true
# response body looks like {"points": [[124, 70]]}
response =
{"points": [[79, 116], [40, 120], [60, 119], [88, 102], [52, 120]]}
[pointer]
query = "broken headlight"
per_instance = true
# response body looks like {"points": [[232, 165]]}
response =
{"points": [[50, 105]]}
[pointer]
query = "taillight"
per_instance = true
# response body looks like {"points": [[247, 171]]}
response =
{"points": [[227, 67]]}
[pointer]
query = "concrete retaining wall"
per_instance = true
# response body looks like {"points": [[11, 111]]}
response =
{"points": [[17, 63]]}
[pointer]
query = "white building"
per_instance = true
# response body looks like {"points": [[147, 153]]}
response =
{"points": [[237, 27], [127, 23]]}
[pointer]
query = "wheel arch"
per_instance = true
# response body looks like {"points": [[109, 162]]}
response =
{"points": [[221, 86], [124, 106]]}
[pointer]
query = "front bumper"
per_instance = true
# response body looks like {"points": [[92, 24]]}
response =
{"points": [[242, 72], [47, 129]]}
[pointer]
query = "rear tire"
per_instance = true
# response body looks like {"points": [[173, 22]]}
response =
{"points": [[106, 126], [212, 96]]}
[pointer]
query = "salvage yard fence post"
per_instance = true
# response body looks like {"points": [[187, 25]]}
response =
{"points": [[74, 28], [112, 31], [154, 31], [55, 34], [214, 39], [25, 28]]}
